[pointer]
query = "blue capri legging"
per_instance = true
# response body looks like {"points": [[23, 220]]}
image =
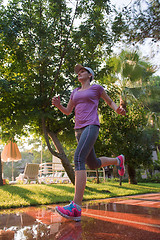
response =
{"points": [[85, 154]]}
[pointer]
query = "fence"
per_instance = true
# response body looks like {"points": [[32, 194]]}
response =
{"points": [[56, 171]]}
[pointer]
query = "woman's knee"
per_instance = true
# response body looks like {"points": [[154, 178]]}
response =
{"points": [[91, 167], [94, 165], [79, 163]]}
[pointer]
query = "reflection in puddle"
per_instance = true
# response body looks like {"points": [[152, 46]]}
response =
{"points": [[100, 221], [37, 223], [124, 208]]}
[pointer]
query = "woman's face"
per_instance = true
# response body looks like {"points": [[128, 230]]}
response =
{"points": [[83, 75]]}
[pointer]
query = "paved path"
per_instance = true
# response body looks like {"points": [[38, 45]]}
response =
{"points": [[128, 218], [135, 218]]}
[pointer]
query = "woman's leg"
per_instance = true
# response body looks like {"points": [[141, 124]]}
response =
{"points": [[80, 184], [86, 139], [93, 162], [106, 161], [81, 178], [85, 154]]}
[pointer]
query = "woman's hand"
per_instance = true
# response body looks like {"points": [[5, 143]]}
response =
{"points": [[56, 101], [66, 110], [121, 111]]}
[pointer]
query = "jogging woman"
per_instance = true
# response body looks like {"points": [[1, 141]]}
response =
{"points": [[85, 101]]}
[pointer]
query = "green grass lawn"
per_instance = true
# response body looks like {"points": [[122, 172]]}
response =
{"points": [[18, 195]]}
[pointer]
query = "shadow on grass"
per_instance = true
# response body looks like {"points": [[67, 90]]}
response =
{"points": [[90, 189], [137, 187], [98, 194], [22, 193], [31, 195], [43, 194], [130, 190]]}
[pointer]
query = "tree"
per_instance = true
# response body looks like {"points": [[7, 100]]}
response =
{"points": [[131, 74], [40, 44], [127, 135], [153, 92], [138, 21], [130, 69]]}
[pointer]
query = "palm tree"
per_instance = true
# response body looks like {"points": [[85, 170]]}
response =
{"points": [[131, 74]]}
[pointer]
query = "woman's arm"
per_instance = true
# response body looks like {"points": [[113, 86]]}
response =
{"points": [[66, 110], [112, 104]]}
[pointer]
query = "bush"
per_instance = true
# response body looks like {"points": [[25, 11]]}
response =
{"points": [[154, 179], [5, 181]]}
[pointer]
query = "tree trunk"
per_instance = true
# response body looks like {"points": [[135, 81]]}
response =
{"points": [[61, 154], [59, 150], [115, 173], [1, 180], [132, 175], [123, 103], [97, 176], [120, 180]]}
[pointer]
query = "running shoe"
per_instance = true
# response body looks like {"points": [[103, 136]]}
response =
{"points": [[70, 211], [121, 168]]}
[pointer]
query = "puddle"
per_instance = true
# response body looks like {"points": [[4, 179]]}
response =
{"points": [[114, 219]]}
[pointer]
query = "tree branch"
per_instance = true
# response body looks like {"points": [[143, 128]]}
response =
{"points": [[64, 51], [47, 139]]}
